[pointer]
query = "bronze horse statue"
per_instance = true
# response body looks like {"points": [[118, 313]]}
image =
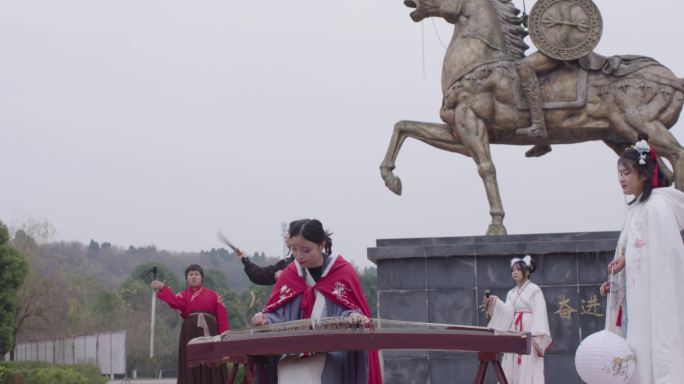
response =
{"points": [[482, 103]]}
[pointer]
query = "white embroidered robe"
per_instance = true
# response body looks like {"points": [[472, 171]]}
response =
{"points": [[654, 262], [524, 311]]}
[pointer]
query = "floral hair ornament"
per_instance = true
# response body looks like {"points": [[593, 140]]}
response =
{"points": [[527, 260], [643, 148]]}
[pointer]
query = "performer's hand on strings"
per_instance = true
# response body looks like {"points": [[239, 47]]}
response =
{"points": [[258, 319], [156, 285], [605, 288], [357, 318]]}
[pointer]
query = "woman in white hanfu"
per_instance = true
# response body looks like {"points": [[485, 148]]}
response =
{"points": [[647, 304], [523, 311]]}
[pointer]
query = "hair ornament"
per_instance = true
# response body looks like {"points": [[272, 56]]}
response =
{"points": [[527, 260], [643, 148]]}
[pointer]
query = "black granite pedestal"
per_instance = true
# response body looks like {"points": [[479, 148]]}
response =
{"points": [[442, 280]]}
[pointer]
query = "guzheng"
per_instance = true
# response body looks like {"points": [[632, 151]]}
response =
{"points": [[336, 334]]}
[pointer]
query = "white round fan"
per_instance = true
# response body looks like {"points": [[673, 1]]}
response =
{"points": [[604, 358]]}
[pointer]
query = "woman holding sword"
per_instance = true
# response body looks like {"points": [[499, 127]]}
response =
{"points": [[204, 314], [257, 274]]}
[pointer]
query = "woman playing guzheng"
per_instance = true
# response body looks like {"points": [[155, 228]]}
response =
{"points": [[523, 311], [204, 314], [317, 284]]}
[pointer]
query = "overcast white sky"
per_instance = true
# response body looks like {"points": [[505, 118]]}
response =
{"points": [[160, 121]]}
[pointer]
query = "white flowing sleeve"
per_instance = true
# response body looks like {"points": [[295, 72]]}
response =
{"points": [[540, 320], [666, 265], [622, 242], [616, 298], [502, 315]]}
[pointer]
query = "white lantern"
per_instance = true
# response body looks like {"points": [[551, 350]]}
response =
{"points": [[604, 358]]}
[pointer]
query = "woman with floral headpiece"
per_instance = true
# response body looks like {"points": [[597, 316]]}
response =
{"points": [[523, 311], [647, 304]]}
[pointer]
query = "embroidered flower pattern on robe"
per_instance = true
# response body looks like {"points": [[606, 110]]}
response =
{"points": [[639, 244], [195, 294], [285, 293], [636, 262], [340, 292]]}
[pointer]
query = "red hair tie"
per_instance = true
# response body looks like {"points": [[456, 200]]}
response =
{"points": [[655, 183]]}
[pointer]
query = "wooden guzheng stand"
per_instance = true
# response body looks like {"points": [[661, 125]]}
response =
{"points": [[336, 334]]}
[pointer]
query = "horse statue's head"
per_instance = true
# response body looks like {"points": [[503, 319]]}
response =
{"points": [[449, 10], [497, 22], [485, 31]]}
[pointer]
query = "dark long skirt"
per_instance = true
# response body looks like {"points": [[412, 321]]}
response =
{"points": [[202, 374]]}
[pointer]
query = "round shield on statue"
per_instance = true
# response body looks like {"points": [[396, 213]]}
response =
{"points": [[565, 29], [604, 358]]}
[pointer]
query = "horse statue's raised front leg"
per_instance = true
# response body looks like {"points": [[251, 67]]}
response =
{"points": [[437, 135]]}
